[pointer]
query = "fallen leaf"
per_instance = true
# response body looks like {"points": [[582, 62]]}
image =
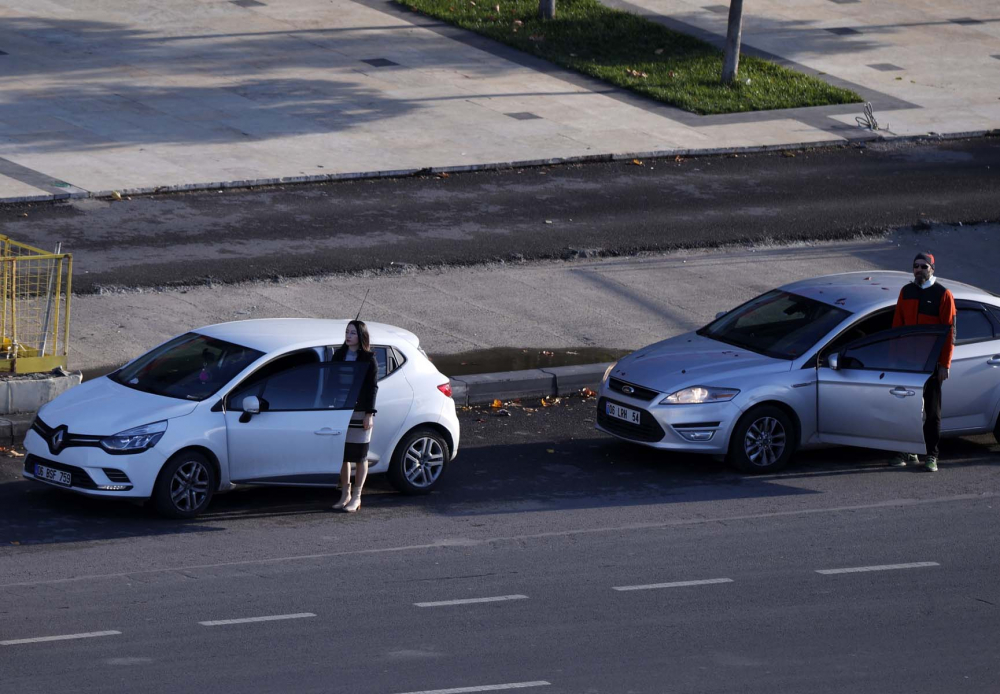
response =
{"points": [[658, 51], [116, 195], [587, 392], [550, 450], [547, 353], [678, 158], [496, 403], [443, 174], [496, 7], [548, 221], [790, 155], [518, 23], [635, 162], [15, 542]]}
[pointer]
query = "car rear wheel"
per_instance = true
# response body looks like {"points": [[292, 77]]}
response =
{"points": [[419, 461], [762, 441], [185, 486]]}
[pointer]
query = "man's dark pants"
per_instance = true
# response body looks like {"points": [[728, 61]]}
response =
{"points": [[932, 414]]}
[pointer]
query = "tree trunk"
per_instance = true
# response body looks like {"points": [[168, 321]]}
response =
{"points": [[731, 57], [547, 9]]}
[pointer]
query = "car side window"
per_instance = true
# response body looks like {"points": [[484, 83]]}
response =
{"points": [[875, 323], [383, 361], [972, 325], [905, 353], [323, 386], [252, 384]]}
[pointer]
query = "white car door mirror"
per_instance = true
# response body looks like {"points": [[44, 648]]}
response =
{"points": [[251, 404], [833, 361]]}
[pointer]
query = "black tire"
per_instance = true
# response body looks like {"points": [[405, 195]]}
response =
{"points": [[763, 441], [185, 486], [996, 430], [419, 461]]}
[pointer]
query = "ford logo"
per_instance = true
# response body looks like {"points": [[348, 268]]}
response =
{"points": [[628, 390]]}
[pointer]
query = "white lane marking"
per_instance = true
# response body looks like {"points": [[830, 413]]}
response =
{"points": [[64, 637], [485, 688], [884, 567], [470, 601], [247, 620], [464, 542], [676, 584]]}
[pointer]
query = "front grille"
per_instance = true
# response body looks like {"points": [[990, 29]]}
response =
{"points": [[80, 478], [116, 475], [648, 429], [70, 440], [41, 428], [637, 391]]}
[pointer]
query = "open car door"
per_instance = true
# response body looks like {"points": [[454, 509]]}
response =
{"points": [[870, 394], [296, 435]]}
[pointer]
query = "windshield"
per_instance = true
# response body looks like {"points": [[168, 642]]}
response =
{"points": [[778, 324], [189, 367]]}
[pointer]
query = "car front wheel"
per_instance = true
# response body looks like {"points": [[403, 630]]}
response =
{"points": [[763, 440], [185, 486], [418, 462]]}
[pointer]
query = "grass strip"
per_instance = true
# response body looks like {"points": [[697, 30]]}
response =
{"points": [[638, 54]]}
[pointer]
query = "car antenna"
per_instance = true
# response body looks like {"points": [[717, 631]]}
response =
{"points": [[362, 304]]}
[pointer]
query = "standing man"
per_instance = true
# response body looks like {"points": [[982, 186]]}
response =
{"points": [[925, 301]]}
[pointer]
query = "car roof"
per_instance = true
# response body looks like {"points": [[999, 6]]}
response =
{"points": [[863, 291], [273, 334]]}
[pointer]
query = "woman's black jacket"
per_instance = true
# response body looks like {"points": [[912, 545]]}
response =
{"points": [[369, 388]]}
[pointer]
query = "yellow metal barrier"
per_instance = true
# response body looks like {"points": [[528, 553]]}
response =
{"points": [[36, 287]]}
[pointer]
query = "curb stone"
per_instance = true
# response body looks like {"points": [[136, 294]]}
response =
{"points": [[476, 389]]}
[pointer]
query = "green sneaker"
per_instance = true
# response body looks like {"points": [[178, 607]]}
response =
{"points": [[931, 463], [902, 459]]}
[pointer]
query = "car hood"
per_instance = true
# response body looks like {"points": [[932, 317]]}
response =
{"points": [[102, 407], [691, 359]]}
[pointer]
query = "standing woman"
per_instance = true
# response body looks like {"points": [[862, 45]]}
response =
{"points": [[357, 347]]}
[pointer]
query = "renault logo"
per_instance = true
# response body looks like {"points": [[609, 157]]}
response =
{"points": [[628, 390], [58, 437]]}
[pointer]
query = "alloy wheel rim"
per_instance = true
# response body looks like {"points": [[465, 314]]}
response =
{"points": [[423, 462], [765, 442], [189, 486]]}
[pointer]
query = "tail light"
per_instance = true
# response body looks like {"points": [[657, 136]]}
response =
{"points": [[445, 388]]}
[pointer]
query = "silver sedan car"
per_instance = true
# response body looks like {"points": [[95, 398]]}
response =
{"points": [[812, 363]]}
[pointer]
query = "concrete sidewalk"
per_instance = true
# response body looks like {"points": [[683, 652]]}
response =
{"points": [[139, 95], [612, 303]]}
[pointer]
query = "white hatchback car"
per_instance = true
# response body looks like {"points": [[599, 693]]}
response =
{"points": [[171, 426]]}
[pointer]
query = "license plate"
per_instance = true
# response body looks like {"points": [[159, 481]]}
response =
{"points": [[53, 475], [627, 414]]}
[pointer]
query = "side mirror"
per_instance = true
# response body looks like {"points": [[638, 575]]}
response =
{"points": [[720, 314], [251, 406], [833, 361]]}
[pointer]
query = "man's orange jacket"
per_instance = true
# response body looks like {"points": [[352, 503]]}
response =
{"points": [[934, 305]]}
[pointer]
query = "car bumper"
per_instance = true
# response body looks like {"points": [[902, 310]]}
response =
{"points": [[693, 428], [93, 471]]}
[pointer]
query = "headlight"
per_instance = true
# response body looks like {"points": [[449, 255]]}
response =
{"points": [[697, 395], [135, 440], [608, 372]]}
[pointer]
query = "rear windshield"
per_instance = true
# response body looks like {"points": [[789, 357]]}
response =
{"points": [[189, 367], [777, 324]]}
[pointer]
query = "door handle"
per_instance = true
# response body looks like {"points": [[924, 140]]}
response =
{"points": [[900, 392], [994, 360], [327, 431]]}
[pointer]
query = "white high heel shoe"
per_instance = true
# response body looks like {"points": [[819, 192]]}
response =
{"points": [[345, 497]]}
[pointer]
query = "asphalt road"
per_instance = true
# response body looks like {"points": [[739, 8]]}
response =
{"points": [[612, 208], [555, 519]]}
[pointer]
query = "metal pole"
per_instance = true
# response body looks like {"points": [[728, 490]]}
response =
{"points": [[69, 295], [55, 271]]}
